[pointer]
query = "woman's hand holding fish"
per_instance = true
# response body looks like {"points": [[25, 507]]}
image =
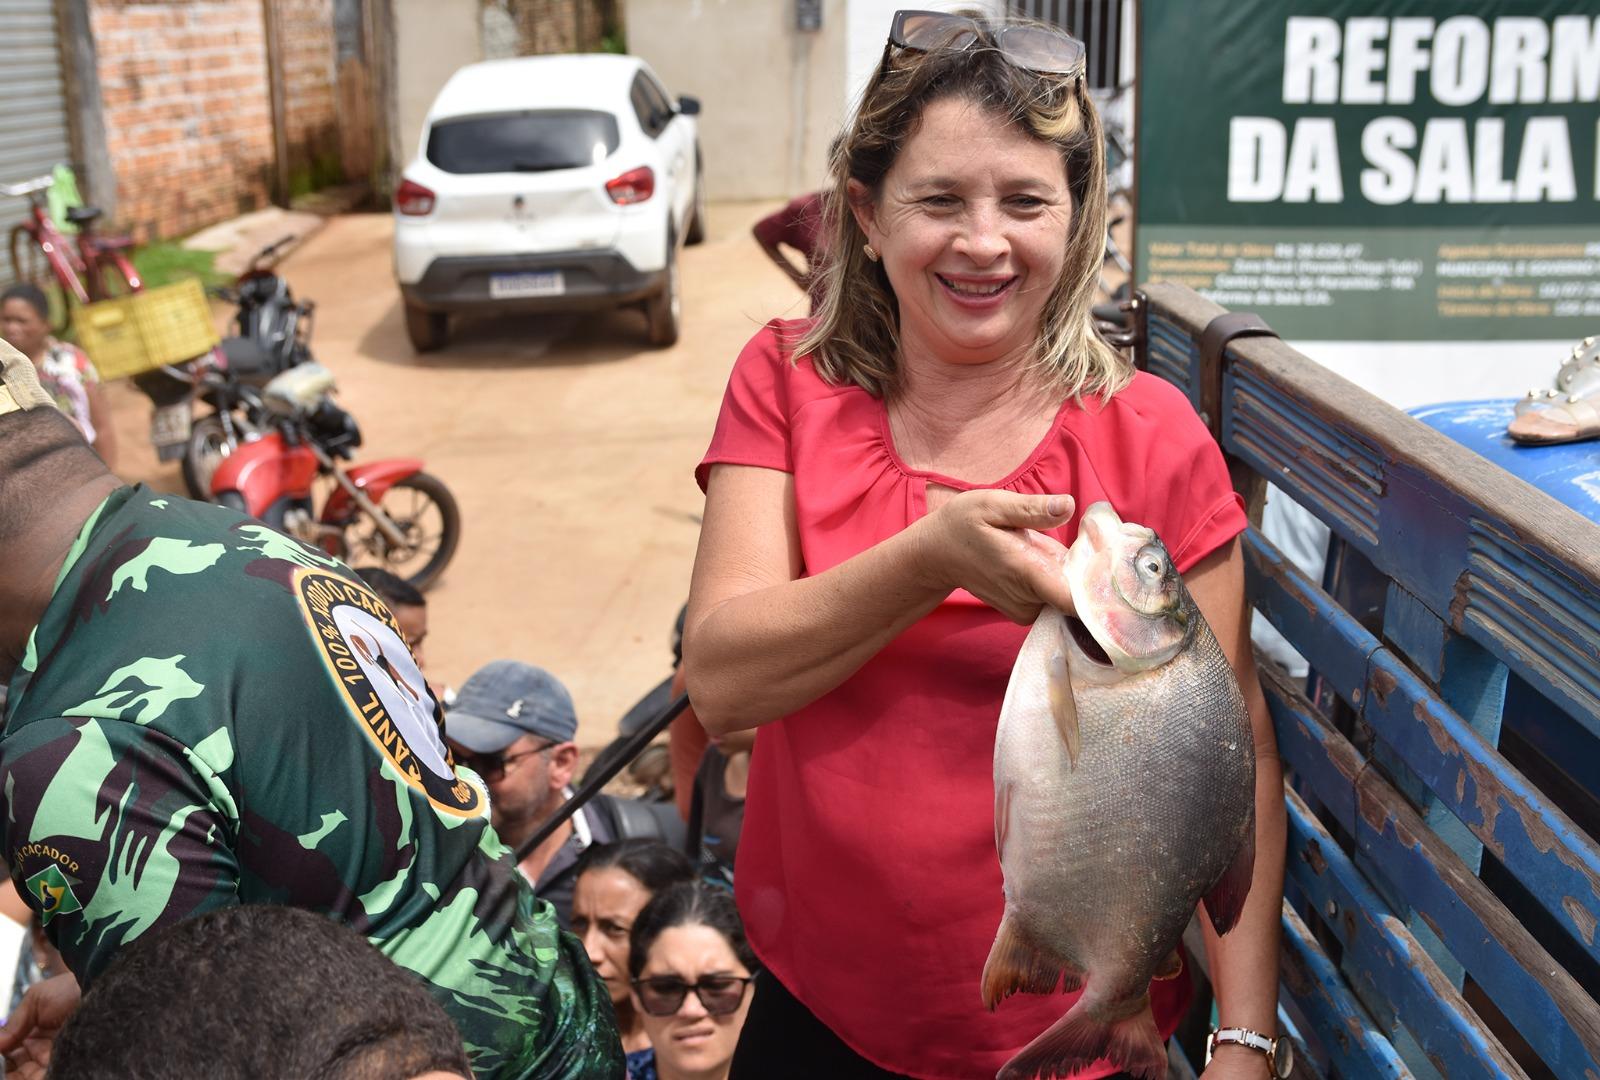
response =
{"points": [[988, 543]]}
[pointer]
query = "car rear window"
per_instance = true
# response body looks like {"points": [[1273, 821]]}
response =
{"points": [[523, 141]]}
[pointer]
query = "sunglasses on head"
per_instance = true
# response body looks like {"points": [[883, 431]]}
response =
{"points": [[1041, 49], [662, 995]]}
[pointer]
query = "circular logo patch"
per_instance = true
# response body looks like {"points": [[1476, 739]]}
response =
{"points": [[383, 686]]}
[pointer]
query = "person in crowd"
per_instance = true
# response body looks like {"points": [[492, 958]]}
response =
{"points": [[614, 882], [263, 991], [889, 491], [65, 371], [191, 726], [716, 813], [798, 227], [514, 725], [406, 602], [691, 969]]}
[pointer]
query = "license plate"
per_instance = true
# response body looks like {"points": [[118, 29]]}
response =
{"points": [[169, 427], [518, 286]]}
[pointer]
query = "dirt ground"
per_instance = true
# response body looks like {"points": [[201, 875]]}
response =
{"points": [[568, 443]]}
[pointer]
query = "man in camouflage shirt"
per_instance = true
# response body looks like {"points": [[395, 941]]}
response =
{"points": [[206, 713]]}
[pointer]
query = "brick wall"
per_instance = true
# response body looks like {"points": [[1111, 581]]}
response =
{"points": [[558, 26], [310, 92], [188, 116]]}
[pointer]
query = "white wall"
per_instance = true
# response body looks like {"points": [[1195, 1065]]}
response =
{"points": [[867, 27], [773, 96], [433, 38], [1407, 374]]}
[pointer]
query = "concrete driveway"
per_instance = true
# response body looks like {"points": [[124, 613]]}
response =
{"points": [[568, 443]]}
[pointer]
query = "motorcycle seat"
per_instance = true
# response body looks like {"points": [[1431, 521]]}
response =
{"points": [[248, 361]]}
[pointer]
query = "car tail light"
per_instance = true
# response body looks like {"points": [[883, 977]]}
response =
{"points": [[414, 200], [633, 186]]}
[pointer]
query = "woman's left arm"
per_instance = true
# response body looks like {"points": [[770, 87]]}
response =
{"points": [[1244, 963]]}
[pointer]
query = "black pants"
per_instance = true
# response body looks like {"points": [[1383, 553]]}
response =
{"points": [[783, 1039]]}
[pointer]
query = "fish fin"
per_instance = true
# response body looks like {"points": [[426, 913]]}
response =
{"points": [[1002, 819], [1078, 1039], [1063, 707], [1171, 967], [1226, 899], [1014, 965]]}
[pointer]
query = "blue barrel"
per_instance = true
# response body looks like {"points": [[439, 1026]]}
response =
{"points": [[1568, 471]]}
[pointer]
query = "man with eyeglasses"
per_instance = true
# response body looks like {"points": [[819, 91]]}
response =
{"points": [[514, 724], [205, 713]]}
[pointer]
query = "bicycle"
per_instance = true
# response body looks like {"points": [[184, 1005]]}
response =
{"points": [[96, 268]]}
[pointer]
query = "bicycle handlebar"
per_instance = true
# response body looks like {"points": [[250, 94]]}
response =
{"points": [[27, 187]]}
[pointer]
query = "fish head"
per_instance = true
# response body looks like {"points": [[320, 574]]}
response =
{"points": [[1130, 601]]}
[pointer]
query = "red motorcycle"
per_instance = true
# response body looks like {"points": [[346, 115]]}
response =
{"points": [[389, 513]]}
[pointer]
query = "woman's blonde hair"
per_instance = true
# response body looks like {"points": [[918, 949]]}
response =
{"points": [[854, 335]]}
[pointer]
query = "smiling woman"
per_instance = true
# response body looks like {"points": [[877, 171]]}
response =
{"points": [[888, 495]]}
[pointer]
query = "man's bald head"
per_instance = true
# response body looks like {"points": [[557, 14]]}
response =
{"points": [[42, 458]]}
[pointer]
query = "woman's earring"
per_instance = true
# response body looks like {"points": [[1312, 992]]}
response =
{"points": [[872, 252]]}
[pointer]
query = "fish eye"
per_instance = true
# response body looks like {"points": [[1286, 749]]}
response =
{"points": [[1150, 563]]}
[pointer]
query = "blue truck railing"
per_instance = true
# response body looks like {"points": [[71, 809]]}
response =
{"points": [[1443, 889]]}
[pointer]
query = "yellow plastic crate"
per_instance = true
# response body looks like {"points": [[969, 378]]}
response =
{"points": [[109, 333], [134, 334]]}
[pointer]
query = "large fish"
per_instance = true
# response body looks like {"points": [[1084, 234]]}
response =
{"points": [[1124, 775]]}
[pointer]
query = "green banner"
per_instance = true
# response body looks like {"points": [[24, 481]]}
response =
{"points": [[1375, 169]]}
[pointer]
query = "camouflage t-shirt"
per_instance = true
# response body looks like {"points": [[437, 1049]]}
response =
{"points": [[210, 713]]}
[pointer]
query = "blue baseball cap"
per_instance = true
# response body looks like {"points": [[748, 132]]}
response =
{"points": [[505, 700]]}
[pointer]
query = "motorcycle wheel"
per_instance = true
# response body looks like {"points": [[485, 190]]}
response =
{"points": [[209, 445], [425, 511]]}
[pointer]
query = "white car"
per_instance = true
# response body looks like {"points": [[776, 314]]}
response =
{"points": [[549, 183]]}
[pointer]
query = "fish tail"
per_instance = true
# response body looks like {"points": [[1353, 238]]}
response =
{"points": [[1015, 966], [1079, 1039]]}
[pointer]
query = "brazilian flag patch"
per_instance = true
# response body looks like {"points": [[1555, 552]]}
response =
{"points": [[52, 888]]}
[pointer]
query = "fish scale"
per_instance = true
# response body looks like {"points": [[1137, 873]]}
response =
{"points": [[1105, 858]]}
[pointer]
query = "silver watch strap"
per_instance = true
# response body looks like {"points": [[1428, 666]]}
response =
{"points": [[1244, 1037]]}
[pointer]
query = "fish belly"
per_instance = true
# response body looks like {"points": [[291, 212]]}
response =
{"points": [[1105, 860]]}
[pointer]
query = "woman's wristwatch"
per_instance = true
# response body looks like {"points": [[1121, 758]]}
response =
{"points": [[1279, 1052]]}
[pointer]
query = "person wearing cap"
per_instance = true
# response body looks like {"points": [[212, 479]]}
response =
{"points": [[203, 713], [514, 725]]}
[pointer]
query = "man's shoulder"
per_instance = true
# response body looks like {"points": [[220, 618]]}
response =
{"points": [[160, 589]]}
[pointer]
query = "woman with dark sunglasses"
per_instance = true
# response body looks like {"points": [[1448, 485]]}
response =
{"points": [[889, 493], [613, 883], [691, 970]]}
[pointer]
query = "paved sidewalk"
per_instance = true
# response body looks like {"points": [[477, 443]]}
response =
{"points": [[237, 241]]}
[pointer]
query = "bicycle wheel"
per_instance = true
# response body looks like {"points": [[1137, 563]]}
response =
{"points": [[29, 266], [106, 280], [427, 516]]}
